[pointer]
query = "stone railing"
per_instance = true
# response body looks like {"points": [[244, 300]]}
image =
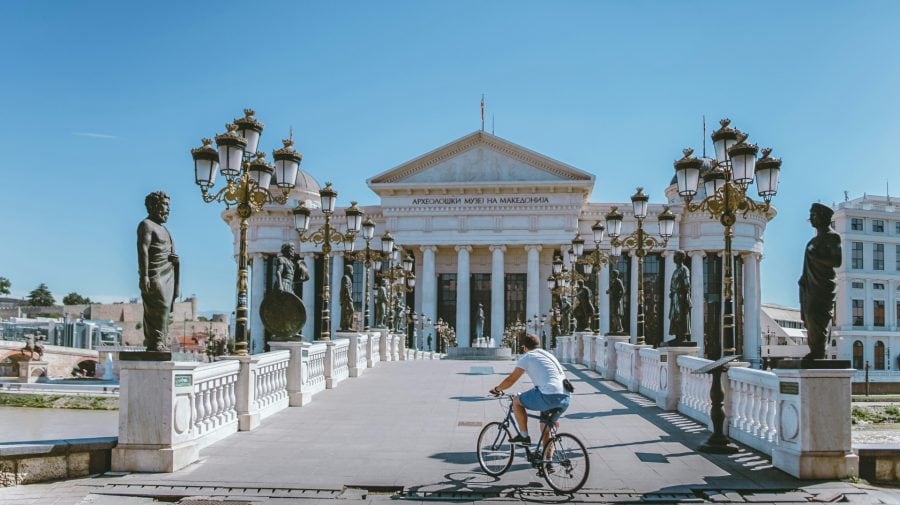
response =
{"points": [[694, 401], [754, 406], [651, 370], [193, 405], [214, 400], [780, 413]]}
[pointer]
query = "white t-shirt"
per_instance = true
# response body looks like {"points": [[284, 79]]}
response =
{"points": [[544, 371]]}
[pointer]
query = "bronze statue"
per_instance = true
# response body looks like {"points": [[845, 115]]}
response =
{"points": [[33, 346], [680, 301], [565, 315], [347, 299], [282, 312], [398, 314], [820, 259], [158, 268], [616, 294], [479, 322], [584, 307], [289, 270], [381, 301]]}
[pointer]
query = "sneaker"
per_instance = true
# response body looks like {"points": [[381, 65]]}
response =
{"points": [[550, 468], [519, 439]]}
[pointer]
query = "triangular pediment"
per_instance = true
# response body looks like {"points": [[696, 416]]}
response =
{"points": [[481, 158]]}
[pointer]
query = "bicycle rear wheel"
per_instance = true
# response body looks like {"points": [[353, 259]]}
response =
{"points": [[566, 464], [495, 452]]}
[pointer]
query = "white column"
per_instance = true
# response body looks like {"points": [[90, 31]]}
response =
{"points": [[429, 282], [697, 302], [633, 297], [667, 284], [309, 297], [337, 271], [533, 282], [257, 292], [752, 308], [463, 330], [603, 280], [498, 311]]}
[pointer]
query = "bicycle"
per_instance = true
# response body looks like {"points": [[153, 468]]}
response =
{"points": [[563, 462]]}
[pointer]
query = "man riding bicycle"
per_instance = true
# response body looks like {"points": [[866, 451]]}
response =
{"points": [[548, 393]]}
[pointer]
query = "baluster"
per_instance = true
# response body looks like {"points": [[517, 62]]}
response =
{"points": [[738, 401], [771, 415], [762, 427], [207, 406], [199, 411]]}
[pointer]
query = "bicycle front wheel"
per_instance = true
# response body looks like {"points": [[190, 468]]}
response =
{"points": [[566, 464], [495, 452]]}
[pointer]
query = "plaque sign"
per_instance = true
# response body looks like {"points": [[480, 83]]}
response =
{"points": [[183, 380], [789, 388]]}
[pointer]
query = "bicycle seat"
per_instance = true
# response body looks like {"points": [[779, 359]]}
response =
{"points": [[551, 416]]}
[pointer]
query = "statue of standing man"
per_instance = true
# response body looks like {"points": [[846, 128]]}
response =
{"points": [[584, 307], [680, 301], [347, 300], [616, 294], [821, 258], [159, 271], [381, 302], [479, 322]]}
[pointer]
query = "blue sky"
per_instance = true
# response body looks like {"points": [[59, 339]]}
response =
{"points": [[104, 100]]}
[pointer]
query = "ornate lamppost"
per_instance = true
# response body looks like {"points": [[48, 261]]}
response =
{"points": [[440, 329], [399, 275], [368, 258], [594, 259], [726, 187], [640, 242], [420, 322], [248, 188], [326, 235]]}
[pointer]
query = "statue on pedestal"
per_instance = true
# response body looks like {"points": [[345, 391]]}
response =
{"points": [[616, 294], [33, 346], [820, 259], [479, 322], [282, 312], [398, 314], [381, 301], [159, 271], [584, 307], [347, 300], [680, 301]]}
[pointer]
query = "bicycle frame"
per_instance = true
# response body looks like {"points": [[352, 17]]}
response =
{"points": [[538, 449]]}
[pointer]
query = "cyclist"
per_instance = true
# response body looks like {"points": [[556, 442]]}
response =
{"points": [[548, 393]]}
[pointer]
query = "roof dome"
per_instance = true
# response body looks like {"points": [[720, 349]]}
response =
{"points": [[307, 186]]}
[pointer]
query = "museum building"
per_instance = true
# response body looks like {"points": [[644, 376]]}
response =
{"points": [[484, 219]]}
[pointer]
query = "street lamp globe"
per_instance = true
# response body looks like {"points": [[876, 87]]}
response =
{"points": [[329, 197], [287, 164], [557, 265], [387, 243], [687, 174], [261, 172], [666, 221], [639, 203], [743, 163], [408, 263], [767, 170], [206, 163], [614, 222], [231, 152], [598, 230], [301, 217], [714, 180], [723, 139], [250, 129], [354, 218], [410, 280], [551, 283], [578, 245], [368, 229], [588, 267]]}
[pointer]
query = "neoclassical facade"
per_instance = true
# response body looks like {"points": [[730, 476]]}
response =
{"points": [[484, 218]]}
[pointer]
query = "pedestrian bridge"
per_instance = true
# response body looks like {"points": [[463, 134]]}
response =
{"points": [[407, 429]]}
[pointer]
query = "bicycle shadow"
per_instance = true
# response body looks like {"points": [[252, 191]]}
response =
{"points": [[475, 485]]}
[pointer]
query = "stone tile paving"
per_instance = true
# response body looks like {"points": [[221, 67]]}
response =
{"points": [[413, 425]]}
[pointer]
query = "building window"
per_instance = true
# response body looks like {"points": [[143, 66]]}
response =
{"points": [[897, 227], [879, 355], [878, 226], [856, 255], [878, 285], [858, 355], [857, 285], [897, 313], [858, 312], [878, 311], [897, 256], [878, 256], [856, 224], [357, 293]]}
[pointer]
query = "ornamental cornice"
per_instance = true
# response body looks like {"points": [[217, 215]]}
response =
{"points": [[461, 248], [501, 248]]}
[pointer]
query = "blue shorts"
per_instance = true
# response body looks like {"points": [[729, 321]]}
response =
{"points": [[533, 399]]}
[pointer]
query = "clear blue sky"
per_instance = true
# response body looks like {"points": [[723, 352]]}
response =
{"points": [[104, 100]]}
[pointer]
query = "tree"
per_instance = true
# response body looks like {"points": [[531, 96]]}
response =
{"points": [[74, 298], [41, 296], [5, 284]]}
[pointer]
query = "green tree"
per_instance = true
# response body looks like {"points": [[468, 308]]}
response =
{"points": [[74, 298], [41, 296], [5, 284]]}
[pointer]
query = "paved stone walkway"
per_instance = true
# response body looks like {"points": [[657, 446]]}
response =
{"points": [[407, 430]]}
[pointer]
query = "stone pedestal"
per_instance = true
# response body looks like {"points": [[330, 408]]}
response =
{"points": [[373, 354], [635, 386], [400, 345], [395, 346], [297, 397], [670, 379], [155, 410], [590, 354], [611, 365], [248, 418], [384, 345], [32, 370], [814, 424]]}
